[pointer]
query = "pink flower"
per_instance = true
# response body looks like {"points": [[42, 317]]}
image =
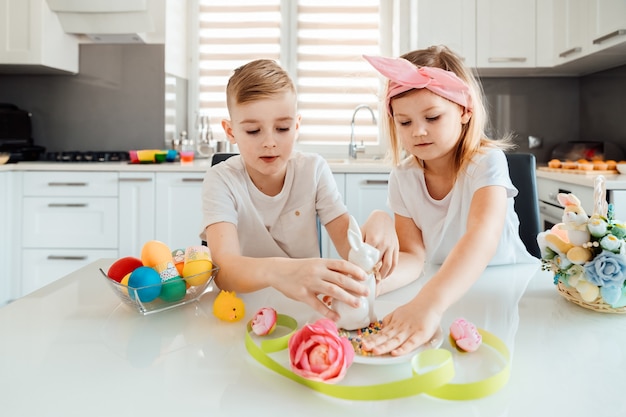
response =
{"points": [[465, 335], [264, 321], [317, 352]]}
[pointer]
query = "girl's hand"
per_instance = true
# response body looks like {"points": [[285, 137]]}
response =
{"points": [[379, 232], [312, 280], [405, 329]]}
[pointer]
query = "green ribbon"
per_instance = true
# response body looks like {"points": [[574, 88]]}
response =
{"points": [[433, 370]]}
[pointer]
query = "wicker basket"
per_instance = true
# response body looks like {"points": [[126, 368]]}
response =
{"points": [[571, 294]]}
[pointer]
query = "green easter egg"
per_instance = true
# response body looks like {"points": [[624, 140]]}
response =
{"points": [[173, 290]]}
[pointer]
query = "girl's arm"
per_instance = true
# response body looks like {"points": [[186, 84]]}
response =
{"points": [[378, 231], [411, 257], [300, 279], [414, 323]]}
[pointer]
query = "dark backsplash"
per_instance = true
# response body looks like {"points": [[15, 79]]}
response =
{"points": [[117, 102]]}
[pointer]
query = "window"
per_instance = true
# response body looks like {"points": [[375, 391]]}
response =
{"points": [[319, 42]]}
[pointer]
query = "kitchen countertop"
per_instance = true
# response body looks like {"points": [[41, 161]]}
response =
{"points": [[337, 165], [613, 182], [72, 349]]}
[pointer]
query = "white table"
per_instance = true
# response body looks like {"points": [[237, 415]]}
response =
{"points": [[71, 349]]}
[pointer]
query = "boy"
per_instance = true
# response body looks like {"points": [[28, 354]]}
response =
{"points": [[260, 207]]}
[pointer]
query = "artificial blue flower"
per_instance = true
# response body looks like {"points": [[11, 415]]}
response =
{"points": [[607, 268], [611, 243], [597, 227], [611, 293]]}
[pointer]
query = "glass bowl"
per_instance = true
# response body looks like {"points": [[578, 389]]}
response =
{"points": [[132, 296]]}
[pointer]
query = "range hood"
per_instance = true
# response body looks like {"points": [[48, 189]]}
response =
{"points": [[112, 21]]}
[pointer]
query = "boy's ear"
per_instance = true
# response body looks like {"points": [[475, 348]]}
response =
{"points": [[228, 129]]}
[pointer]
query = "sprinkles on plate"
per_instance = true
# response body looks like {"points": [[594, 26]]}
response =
{"points": [[356, 336]]}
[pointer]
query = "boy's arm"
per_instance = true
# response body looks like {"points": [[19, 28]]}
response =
{"points": [[299, 279]]}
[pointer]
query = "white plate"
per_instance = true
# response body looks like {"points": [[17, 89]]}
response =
{"points": [[387, 359]]}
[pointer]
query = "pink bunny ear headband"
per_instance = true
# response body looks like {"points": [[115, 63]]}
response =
{"points": [[404, 76]]}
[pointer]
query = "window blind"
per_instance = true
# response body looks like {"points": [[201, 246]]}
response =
{"points": [[320, 43]]}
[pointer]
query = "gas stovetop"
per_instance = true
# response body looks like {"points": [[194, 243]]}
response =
{"points": [[87, 156]]}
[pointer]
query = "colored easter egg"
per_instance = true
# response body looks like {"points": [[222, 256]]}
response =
{"points": [[228, 307], [178, 255], [197, 272], [155, 252], [147, 283], [122, 267], [124, 282], [173, 290]]}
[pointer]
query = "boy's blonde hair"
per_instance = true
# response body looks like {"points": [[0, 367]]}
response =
{"points": [[257, 80], [473, 136]]}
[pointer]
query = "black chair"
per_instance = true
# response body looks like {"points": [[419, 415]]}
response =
{"points": [[222, 156], [522, 172]]}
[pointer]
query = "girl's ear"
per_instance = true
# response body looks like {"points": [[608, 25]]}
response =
{"points": [[466, 116], [228, 129]]}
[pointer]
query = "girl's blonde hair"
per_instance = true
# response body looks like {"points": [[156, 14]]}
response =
{"points": [[257, 80], [473, 137]]}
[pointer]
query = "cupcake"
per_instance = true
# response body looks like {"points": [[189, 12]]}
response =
{"points": [[554, 163]]}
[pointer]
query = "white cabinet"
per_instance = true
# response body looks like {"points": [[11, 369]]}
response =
{"points": [[69, 219], [178, 206], [571, 25], [607, 23], [136, 211], [506, 33], [32, 40], [448, 22], [366, 193], [363, 193], [5, 238]]}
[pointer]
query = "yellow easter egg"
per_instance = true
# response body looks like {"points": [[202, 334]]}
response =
{"points": [[228, 307], [197, 272], [124, 282]]}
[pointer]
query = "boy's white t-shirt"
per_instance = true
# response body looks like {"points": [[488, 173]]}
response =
{"points": [[283, 225], [443, 222]]}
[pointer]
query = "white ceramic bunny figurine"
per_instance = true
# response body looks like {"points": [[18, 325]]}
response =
{"points": [[366, 257]]}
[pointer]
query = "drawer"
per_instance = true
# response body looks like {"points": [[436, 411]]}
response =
{"points": [[41, 267], [70, 222], [548, 189], [70, 183]]}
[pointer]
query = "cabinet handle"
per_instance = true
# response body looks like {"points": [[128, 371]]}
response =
{"points": [[67, 184], [506, 59], [376, 182], [67, 205], [193, 179], [570, 51], [135, 179], [618, 32], [66, 258]]}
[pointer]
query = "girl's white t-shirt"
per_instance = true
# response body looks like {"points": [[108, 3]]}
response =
{"points": [[283, 225], [443, 222]]}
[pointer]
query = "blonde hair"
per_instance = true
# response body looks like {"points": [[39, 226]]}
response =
{"points": [[257, 80], [473, 137]]}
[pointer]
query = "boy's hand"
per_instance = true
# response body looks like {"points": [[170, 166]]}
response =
{"points": [[313, 280]]}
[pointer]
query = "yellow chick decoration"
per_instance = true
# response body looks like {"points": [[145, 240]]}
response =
{"points": [[228, 307]]}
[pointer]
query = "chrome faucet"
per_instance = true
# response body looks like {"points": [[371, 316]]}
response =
{"points": [[354, 148]]}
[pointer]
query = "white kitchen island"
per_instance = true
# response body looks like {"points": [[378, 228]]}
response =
{"points": [[72, 349]]}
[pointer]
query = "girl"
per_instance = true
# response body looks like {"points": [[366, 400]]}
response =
{"points": [[452, 196], [260, 207]]}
